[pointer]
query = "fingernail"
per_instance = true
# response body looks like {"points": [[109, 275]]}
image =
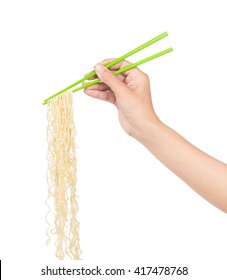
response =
{"points": [[100, 68]]}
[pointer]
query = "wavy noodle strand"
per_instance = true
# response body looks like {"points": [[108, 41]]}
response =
{"points": [[61, 177]]}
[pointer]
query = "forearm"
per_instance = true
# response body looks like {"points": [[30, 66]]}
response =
{"points": [[130, 93], [206, 175]]}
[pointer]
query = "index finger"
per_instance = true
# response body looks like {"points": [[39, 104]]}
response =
{"points": [[117, 66], [120, 65]]}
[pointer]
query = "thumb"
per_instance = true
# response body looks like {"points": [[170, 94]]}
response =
{"points": [[107, 77]]}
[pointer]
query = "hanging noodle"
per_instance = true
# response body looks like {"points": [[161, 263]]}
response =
{"points": [[61, 177]]}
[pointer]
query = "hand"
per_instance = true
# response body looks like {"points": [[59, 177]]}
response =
{"points": [[129, 92]]}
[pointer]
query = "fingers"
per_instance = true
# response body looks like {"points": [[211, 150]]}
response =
{"points": [[118, 84], [115, 67], [99, 86], [104, 62], [120, 76], [106, 76], [133, 72], [101, 95]]}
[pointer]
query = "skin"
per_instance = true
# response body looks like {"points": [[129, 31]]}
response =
{"points": [[130, 93]]}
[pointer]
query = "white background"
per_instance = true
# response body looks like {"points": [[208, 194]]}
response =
{"points": [[132, 209]]}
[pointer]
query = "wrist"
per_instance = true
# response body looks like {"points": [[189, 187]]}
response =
{"points": [[147, 130]]}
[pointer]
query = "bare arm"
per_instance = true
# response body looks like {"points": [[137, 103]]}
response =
{"points": [[203, 173], [130, 93]]}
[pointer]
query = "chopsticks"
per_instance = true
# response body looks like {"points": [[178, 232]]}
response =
{"points": [[115, 61]]}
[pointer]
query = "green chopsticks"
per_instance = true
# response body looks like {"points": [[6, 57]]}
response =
{"points": [[126, 68], [115, 61]]}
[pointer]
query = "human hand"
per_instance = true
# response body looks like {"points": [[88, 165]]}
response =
{"points": [[129, 92]]}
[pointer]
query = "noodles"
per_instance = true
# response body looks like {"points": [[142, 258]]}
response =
{"points": [[61, 177]]}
